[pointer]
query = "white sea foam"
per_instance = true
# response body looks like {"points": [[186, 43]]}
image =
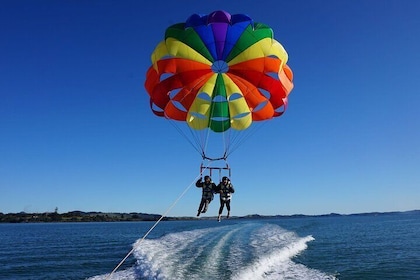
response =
{"points": [[128, 274], [276, 263], [240, 251]]}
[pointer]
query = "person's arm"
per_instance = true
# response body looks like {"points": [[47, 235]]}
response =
{"points": [[199, 183], [232, 190]]}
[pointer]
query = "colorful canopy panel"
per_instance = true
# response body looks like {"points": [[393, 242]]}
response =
{"points": [[219, 71]]}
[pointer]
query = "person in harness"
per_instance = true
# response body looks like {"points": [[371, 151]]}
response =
{"points": [[225, 189], [208, 188]]}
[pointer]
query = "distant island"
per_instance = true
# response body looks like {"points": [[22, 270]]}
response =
{"points": [[80, 216]]}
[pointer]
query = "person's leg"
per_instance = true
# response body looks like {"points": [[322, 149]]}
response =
{"points": [[228, 208], [222, 204], [200, 207], [206, 205]]}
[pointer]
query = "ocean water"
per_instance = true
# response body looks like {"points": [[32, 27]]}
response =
{"points": [[344, 247]]}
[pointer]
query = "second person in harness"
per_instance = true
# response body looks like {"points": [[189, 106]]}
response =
{"points": [[225, 189]]}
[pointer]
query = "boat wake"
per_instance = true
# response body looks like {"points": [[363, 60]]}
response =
{"points": [[238, 252]]}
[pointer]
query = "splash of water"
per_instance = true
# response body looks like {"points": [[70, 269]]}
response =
{"points": [[238, 252]]}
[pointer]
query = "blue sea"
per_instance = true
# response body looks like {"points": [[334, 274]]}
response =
{"points": [[332, 247]]}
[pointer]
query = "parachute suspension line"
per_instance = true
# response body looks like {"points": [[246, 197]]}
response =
{"points": [[241, 138], [204, 142], [205, 145], [226, 142], [180, 131], [137, 244], [200, 142]]}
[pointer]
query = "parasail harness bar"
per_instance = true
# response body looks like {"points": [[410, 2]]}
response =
{"points": [[225, 168]]}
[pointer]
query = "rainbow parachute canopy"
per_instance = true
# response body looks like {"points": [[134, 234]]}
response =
{"points": [[219, 71]]}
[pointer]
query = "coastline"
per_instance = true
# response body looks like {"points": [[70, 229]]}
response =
{"points": [[80, 216]]}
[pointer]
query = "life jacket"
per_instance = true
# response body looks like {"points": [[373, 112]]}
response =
{"points": [[208, 191], [225, 192]]}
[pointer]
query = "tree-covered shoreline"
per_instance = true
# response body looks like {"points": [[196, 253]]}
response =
{"points": [[75, 216], [80, 216]]}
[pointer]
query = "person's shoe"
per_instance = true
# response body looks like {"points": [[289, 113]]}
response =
{"points": [[219, 218], [198, 214], [228, 214]]}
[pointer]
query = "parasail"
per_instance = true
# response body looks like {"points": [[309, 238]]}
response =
{"points": [[218, 75]]}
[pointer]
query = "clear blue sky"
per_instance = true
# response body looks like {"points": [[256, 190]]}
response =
{"points": [[77, 133]]}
